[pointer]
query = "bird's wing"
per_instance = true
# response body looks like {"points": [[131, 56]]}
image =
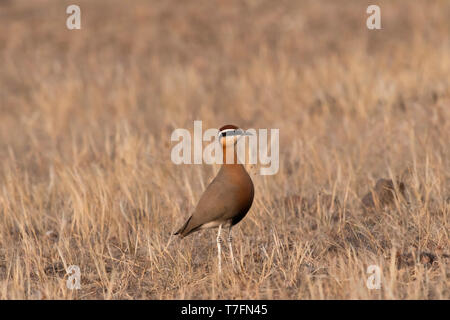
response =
{"points": [[215, 203]]}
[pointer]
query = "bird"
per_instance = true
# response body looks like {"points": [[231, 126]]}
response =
{"points": [[228, 197]]}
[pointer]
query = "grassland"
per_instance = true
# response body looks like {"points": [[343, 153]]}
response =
{"points": [[86, 118]]}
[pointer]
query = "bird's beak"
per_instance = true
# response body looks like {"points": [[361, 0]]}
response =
{"points": [[244, 133], [240, 133]]}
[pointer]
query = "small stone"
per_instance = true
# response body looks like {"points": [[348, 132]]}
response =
{"points": [[52, 235]]}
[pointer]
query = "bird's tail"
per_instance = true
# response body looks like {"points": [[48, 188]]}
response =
{"points": [[180, 231]]}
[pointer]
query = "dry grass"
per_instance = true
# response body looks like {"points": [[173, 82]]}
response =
{"points": [[86, 176]]}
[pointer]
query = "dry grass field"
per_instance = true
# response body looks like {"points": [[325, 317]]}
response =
{"points": [[86, 177]]}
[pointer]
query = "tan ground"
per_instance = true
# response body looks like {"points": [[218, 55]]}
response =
{"points": [[86, 118]]}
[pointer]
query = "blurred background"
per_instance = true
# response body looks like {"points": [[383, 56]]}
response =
{"points": [[158, 65], [86, 117]]}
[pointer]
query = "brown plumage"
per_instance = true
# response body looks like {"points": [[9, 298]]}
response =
{"points": [[228, 197], [225, 201]]}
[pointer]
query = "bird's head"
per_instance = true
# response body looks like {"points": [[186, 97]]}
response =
{"points": [[230, 134]]}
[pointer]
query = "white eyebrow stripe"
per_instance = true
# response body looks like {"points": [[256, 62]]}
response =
{"points": [[226, 130]]}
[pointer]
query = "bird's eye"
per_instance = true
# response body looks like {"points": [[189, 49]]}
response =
{"points": [[229, 133]]}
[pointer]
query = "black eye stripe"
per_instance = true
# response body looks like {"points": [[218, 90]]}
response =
{"points": [[227, 133], [235, 132], [231, 133]]}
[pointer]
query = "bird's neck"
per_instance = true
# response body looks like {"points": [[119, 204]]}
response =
{"points": [[230, 158]]}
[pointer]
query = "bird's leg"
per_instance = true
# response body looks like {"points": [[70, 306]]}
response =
{"points": [[219, 248], [230, 239]]}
